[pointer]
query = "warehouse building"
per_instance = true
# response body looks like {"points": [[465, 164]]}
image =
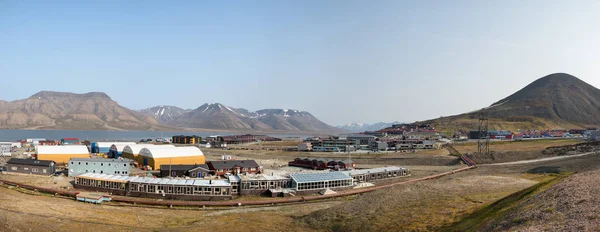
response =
{"points": [[78, 166], [154, 156], [184, 170], [61, 154], [116, 150], [319, 181], [29, 166], [132, 151], [183, 139], [104, 147]]}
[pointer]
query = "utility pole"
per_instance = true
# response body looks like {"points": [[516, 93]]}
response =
{"points": [[483, 140]]}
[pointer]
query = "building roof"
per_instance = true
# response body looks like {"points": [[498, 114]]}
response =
{"points": [[99, 160], [372, 170], [319, 176], [109, 144], [136, 148], [232, 163], [62, 150], [182, 167], [32, 162], [170, 152]]}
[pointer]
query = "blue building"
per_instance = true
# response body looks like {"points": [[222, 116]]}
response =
{"points": [[104, 147]]}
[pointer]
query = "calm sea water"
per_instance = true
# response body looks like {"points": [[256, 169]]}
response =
{"points": [[12, 135]]}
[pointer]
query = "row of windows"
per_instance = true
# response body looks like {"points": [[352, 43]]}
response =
{"points": [[264, 184], [180, 190], [15, 168], [102, 172], [243, 169], [94, 164], [323, 184]]}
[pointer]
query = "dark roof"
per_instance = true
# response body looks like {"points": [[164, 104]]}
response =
{"points": [[231, 163], [32, 162], [182, 167]]}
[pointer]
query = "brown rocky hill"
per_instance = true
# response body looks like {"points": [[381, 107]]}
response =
{"points": [[220, 117], [61, 110], [552, 102], [570, 205]]}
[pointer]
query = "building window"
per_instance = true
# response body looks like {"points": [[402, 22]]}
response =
{"points": [[109, 165], [44, 170], [86, 163], [101, 164], [72, 162], [34, 170], [124, 165], [14, 168], [101, 171], [26, 169]]}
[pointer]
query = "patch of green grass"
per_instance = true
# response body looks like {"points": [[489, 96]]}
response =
{"points": [[496, 210]]}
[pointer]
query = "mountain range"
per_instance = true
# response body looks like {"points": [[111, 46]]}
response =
{"points": [[97, 111], [555, 101], [71, 111], [219, 116], [361, 127]]}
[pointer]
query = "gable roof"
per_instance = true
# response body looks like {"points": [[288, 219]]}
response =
{"points": [[32, 162], [232, 163], [182, 167]]}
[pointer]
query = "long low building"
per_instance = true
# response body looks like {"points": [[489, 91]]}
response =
{"points": [[155, 187], [61, 154], [154, 156], [29, 166], [365, 175]]}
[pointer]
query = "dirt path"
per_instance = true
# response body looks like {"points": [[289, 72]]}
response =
{"points": [[540, 160]]}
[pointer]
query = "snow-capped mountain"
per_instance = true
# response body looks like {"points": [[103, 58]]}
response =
{"points": [[164, 113], [361, 127], [219, 116]]}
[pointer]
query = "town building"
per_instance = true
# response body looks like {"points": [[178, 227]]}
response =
{"points": [[184, 170], [69, 141], [29, 166], [304, 146], [61, 154], [186, 139], [378, 146], [313, 182], [363, 139], [48, 142], [78, 166], [116, 150], [221, 168], [322, 164], [5, 148], [334, 145], [155, 156], [366, 175], [257, 184]]}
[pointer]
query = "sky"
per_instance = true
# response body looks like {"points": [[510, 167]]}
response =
{"points": [[344, 61]]}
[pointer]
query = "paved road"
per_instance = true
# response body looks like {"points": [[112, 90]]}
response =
{"points": [[541, 160]]}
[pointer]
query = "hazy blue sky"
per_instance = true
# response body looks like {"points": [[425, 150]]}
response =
{"points": [[343, 61]]}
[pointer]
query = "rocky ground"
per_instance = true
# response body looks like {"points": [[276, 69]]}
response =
{"points": [[571, 205]]}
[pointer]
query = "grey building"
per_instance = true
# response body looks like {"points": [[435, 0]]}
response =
{"points": [[30, 166], [78, 166], [361, 138], [5, 147], [378, 146]]}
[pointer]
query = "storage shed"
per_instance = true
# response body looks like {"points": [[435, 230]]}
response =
{"points": [[61, 154], [154, 156]]}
